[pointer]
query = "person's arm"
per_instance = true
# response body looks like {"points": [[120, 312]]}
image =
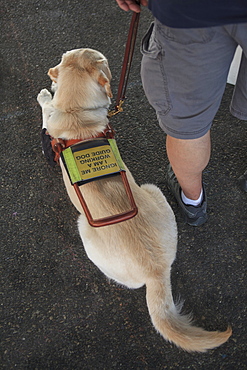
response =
{"points": [[131, 5]]}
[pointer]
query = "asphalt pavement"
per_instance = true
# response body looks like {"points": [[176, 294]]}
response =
{"points": [[57, 309]]}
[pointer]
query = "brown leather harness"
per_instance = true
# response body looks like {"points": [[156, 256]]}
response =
{"points": [[58, 145]]}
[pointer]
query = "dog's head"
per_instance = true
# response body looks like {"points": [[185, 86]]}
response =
{"points": [[82, 92], [80, 74]]}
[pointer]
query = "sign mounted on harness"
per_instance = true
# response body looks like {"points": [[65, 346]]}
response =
{"points": [[92, 159]]}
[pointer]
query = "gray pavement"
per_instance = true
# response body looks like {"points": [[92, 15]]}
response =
{"points": [[57, 310]]}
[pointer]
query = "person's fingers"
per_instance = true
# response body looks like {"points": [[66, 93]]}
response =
{"points": [[123, 5], [144, 2], [130, 5]]}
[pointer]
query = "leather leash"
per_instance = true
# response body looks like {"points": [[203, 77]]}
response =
{"points": [[128, 56]]}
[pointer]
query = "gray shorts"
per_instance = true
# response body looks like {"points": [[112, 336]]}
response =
{"points": [[184, 74]]}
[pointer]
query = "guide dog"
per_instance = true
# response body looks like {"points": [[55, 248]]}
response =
{"points": [[136, 252]]}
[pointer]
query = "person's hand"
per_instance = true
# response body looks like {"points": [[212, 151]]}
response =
{"points": [[131, 5]]}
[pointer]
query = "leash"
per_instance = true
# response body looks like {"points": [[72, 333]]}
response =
{"points": [[128, 56]]}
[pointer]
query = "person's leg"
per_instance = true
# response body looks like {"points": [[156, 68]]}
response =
{"points": [[184, 72], [188, 159]]}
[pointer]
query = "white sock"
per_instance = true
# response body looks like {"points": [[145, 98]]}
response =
{"points": [[191, 202]]}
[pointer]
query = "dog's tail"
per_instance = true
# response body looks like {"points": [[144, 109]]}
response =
{"points": [[175, 327]]}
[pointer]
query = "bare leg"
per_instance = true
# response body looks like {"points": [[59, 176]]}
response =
{"points": [[188, 159]]}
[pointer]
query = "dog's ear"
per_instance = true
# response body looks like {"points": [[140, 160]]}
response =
{"points": [[53, 74], [105, 82], [103, 66]]}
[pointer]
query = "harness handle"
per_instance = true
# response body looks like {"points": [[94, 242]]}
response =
{"points": [[110, 220]]}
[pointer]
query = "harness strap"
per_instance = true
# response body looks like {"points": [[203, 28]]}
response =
{"points": [[58, 145]]}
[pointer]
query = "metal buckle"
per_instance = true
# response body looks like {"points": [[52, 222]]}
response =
{"points": [[117, 110]]}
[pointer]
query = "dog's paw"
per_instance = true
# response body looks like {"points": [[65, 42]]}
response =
{"points": [[44, 97], [53, 86]]}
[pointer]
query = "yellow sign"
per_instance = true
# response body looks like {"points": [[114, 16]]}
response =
{"points": [[93, 162]]}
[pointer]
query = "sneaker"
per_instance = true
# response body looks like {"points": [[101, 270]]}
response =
{"points": [[194, 216]]}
